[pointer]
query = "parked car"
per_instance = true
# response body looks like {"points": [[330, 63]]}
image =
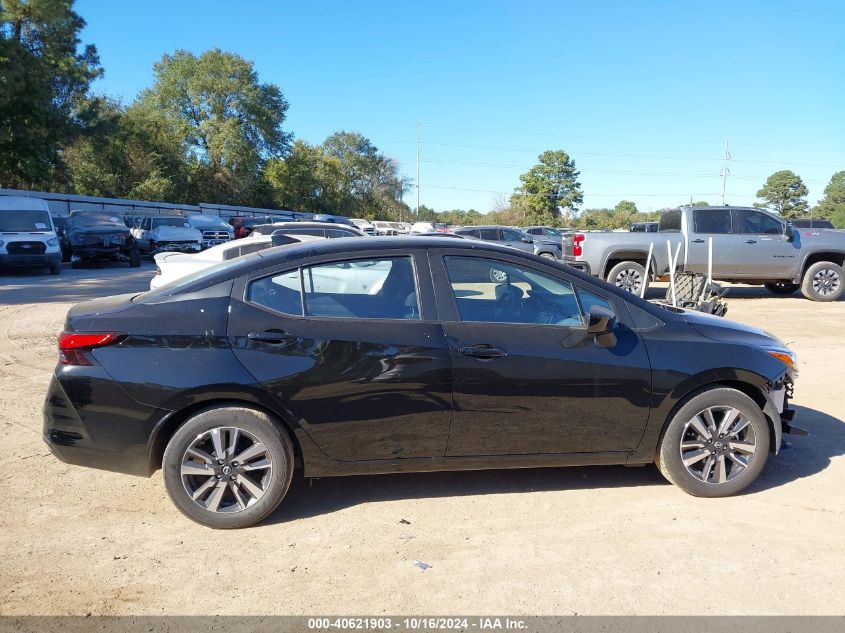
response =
{"points": [[332, 219], [167, 233], [173, 266], [811, 223], [551, 248], [385, 228], [365, 226], [92, 236], [418, 228], [215, 230], [320, 229], [243, 226], [229, 378], [402, 228], [544, 231], [27, 235], [645, 227], [750, 246]]}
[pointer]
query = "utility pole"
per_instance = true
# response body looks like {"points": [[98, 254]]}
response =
{"points": [[725, 171], [418, 170]]}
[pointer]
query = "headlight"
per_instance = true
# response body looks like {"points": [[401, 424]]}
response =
{"points": [[52, 242], [786, 356]]}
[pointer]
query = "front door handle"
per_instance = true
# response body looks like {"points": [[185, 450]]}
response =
{"points": [[750, 241], [272, 337], [698, 241], [482, 351]]}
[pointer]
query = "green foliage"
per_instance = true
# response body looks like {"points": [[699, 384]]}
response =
{"points": [[346, 174], [701, 203], [785, 191], [548, 188], [832, 205], [626, 207], [228, 123], [131, 156], [44, 80]]}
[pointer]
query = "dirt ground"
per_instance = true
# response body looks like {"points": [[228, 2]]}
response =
{"points": [[599, 540]]}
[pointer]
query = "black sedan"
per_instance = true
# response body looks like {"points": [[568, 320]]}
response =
{"points": [[366, 355]]}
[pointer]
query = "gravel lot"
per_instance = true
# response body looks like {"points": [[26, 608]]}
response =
{"points": [[598, 540]]}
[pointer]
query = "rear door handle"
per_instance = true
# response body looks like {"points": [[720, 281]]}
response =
{"points": [[698, 241], [272, 337], [482, 351], [750, 241]]}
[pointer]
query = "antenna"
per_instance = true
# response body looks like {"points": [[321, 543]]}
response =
{"points": [[725, 171]]}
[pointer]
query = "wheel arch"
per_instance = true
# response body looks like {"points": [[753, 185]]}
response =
{"points": [[617, 257], [748, 383], [167, 428], [837, 257]]}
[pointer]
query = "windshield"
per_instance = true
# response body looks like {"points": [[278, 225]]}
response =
{"points": [[95, 219], [31, 220], [170, 222]]}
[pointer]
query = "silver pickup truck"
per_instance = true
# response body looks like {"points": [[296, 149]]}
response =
{"points": [[750, 246]]}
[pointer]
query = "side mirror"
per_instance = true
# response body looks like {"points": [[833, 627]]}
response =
{"points": [[527, 240], [600, 324], [790, 232]]}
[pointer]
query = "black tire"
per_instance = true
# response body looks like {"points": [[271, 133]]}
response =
{"points": [[279, 450], [134, 257], [55, 269], [628, 276], [823, 281], [75, 264], [781, 287], [669, 452], [548, 255]]}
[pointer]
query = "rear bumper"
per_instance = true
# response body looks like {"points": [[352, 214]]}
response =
{"points": [[45, 259], [571, 261], [113, 434]]}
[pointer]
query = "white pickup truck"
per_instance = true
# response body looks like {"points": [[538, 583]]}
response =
{"points": [[166, 234], [750, 246]]}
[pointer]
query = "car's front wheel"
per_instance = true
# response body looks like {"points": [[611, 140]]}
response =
{"points": [[716, 444], [228, 467]]}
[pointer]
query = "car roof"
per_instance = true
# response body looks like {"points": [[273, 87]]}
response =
{"points": [[22, 203]]}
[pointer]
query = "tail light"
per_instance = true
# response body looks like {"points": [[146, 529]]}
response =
{"points": [[74, 345], [577, 244]]}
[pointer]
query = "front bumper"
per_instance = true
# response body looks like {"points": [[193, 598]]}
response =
{"points": [[44, 259], [178, 247]]}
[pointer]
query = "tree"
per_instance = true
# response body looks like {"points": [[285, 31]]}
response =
{"points": [[228, 123], [132, 156], [626, 207], [44, 79], [785, 191], [832, 205], [548, 188], [701, 203]]}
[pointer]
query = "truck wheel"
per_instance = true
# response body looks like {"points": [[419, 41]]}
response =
{"points": [[781, 287], [55, 269], [628, 276], [548, 255], [823, 281], [715, 445]]}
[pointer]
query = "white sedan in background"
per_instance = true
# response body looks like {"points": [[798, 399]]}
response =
{"points": [[173, 266]]}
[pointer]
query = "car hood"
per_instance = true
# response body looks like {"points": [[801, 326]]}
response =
{"points": [[722, 329], [161, 233]]}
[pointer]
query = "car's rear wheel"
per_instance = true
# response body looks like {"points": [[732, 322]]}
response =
{"points": [[228, 467], [781, 287], [823, 281], [548, 255], [628, 276], [716, 444]]}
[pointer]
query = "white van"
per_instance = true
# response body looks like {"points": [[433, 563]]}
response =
{"points": [[27, 234]]}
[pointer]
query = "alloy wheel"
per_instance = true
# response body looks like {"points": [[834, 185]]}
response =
{"points": [[826, 282], [718, 444], [629, 279], [226, 469]]}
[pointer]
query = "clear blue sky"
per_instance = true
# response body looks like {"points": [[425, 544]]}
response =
{"points": [[641, 94]]}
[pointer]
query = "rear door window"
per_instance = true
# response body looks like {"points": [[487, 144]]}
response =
{"points": [[489, 234], [713, 221], [355, 289]]}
